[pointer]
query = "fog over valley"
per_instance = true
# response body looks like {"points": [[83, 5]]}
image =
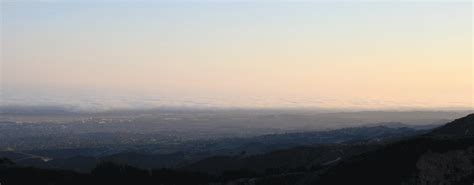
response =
{"points": [[169, 125], [236, 92]]}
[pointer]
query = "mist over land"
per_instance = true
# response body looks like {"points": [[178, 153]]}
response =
{"points": [[100, 100], [177, 124], [221, 92], [262, 145]]}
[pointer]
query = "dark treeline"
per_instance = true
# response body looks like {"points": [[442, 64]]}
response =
{"points": [[113, 173]]}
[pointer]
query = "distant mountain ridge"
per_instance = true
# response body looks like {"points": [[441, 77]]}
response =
{"points": [[227, 148], [444, 155], [461, 127]]}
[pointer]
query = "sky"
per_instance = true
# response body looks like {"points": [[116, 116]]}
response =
{"points": [[327, 54]]}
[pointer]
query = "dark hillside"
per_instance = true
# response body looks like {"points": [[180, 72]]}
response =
{"points": [[458, 128]]}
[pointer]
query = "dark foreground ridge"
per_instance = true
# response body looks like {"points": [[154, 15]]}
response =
{"points": [[443, 156], [462, 127], [428, 159]]}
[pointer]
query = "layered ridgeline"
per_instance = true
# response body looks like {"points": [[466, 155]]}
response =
{"points": [[182, 155], [442, 156], [462, 127]]}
